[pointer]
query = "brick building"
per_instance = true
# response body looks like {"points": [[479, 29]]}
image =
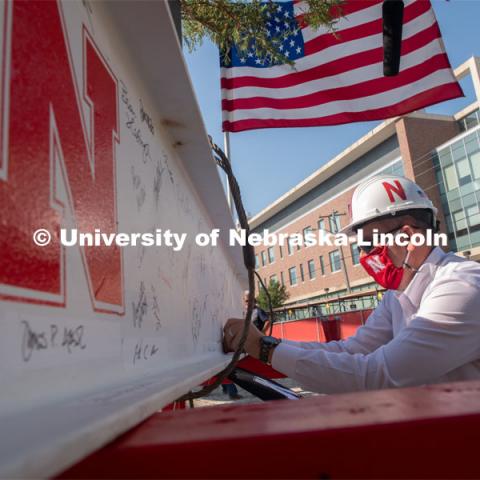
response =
{"points": [[441, 153]]}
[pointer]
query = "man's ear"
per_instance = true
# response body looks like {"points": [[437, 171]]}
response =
{"points": [[409, 231]]}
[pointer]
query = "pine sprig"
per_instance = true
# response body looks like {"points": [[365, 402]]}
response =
{"points": [[243, 23]]}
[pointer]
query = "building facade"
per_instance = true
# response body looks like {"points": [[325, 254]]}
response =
{"points": [[439, 152]]}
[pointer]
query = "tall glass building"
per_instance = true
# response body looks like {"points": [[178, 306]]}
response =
{"points": [[457, 170]]}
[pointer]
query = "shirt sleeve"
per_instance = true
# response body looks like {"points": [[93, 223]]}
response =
{"points": [[443, 335], [376, 332]]}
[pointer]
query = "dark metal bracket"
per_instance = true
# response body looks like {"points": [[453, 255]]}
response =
{"points": [[392, 11]]}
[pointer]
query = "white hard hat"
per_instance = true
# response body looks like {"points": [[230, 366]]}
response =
{"points": [[383, 196]]}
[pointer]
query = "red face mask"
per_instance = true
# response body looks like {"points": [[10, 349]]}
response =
{"points": [[380, 266]]}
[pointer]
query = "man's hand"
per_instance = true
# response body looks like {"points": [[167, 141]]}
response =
{"points": [[232, 331]]}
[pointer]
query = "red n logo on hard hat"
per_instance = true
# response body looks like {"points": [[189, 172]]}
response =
{"points": [[397, 188]]}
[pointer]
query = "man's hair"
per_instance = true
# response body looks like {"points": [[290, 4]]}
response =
{"points": [[421, 218]]}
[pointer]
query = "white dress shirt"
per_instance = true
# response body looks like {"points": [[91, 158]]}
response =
{"points": [[429, 333]]}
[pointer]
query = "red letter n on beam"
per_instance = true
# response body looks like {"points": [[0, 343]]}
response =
{"points": [[45, 141]]}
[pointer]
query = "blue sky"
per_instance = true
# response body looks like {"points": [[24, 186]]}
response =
{"points": [[269, 162]]}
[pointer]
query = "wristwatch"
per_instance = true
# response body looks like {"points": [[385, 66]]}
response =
{"points": [[267, 344]]}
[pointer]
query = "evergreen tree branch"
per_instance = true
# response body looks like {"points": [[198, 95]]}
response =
{"points": [[243, 23]]}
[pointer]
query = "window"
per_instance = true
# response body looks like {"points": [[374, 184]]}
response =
{"points": [[439, 179], [257, 264], [305, 231], [463, 242], [264, 258], [311, 269], [302, 276], [282, 279], [321, 224], [475, 159], [298, 236], [472, 120], [469, 200], [469, 122], [322, 264], [448, 221], [473, 215], [355, 253], [335, 262], [292, 273], [290, 246], [473, 151], [271, 255], [273, 278], [334, 221], [450, 177], [459, 220], [445, 157], [463, 169], [394, 169], [281, 251]]}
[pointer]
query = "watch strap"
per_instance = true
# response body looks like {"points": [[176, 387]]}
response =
{"points": [[266, 345]]}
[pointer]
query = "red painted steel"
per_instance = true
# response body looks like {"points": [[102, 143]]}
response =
{"points": [[316, 330], [174, 406], [302, 330], [256, 366], [252, 365], [426, 432], [351, 321], [332, 328]]}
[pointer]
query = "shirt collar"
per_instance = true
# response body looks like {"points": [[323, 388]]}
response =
{"points": [[435, 257], [416, 288]]}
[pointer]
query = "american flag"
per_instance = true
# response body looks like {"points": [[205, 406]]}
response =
{"points": [[337, 78]]}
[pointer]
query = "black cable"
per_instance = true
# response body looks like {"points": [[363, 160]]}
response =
{"points": [[249, 261]]}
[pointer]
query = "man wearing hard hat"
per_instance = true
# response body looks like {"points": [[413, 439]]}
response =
{"points": [[426, 328]]}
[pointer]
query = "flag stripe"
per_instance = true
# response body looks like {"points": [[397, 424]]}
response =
{"points": [[369, 54], [350, 10], [358, 104], [365, 15], [359, 90], [245, 76], [374, 27], [356, 75], [340, 79], [430, 96]]}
